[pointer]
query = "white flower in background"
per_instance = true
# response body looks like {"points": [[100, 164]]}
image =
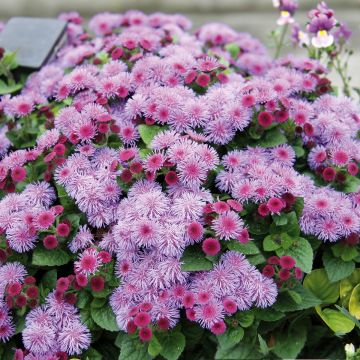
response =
{"points": [[349, 350], [276, 3], [285, 18], [323, 39], [303, 38]]}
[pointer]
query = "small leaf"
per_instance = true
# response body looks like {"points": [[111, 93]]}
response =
{"points": [[55, 257], [233, 49], [288, 344], [336, 269], [105, 318], [172, 343], [194, 259], [230, 338], [263, 346], [319, 284], [302, 252], [273, 137], [148, 132], [133, 349], [249, 248], [270, 244], [154, 347]]}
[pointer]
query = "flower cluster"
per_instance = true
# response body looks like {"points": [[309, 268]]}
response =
{"points": [[148, 171]]}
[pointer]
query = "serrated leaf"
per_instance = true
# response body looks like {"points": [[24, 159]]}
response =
{"points": [[54, 257], [271, 138], [245, 318], [230, 338], [288, 344], [233, 49], [268, 314], [249, 248], [194, 259], [336, 269], [299, 206], [302, 252], [270, 243], [244, 350], [48, 281], [148, 132], [280, 219], [172, 344], [319, 284], [263, 345], [133, 349], [286, 303], [105, 318], [154, 347]]}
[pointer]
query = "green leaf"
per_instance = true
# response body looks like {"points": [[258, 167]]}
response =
{"points": [[92, 354], [86, 318], [148, 132], [299, 206], [348, 315], [336, 269], [230, 338], [263, 346], [292, 227], [335, 320], [272, 138], [352, 184], [9, 88], [286, 303], [154, 347], [299, 151], [302, 252], [105, 318], [48, 280], [269, 314], [347, 285], [172, 343], [319, 284], [249, 248], [194, 259], [280, 219], [83, 299], [246, 318], [133, 349], [244, 350], [233, 49], [354, 302], [288, 344], [270, 243], [55, 257], [68, 101], [349, 253]]}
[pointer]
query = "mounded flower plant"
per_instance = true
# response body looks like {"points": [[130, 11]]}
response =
{"points": [[171, 194]]}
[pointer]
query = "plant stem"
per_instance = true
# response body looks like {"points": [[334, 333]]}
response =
{"points": [[281, 41], [343, 76]]}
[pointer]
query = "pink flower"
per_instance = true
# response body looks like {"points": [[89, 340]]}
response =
{"points": [[287, 262], [195, 230], [45, 219], [275, 205], [18, 174], [211, 246]]}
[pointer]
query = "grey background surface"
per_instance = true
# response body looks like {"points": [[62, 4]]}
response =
{"points": [[255, 16]]}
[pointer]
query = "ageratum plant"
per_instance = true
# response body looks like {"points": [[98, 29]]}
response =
{"points": [[163, 194]]}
